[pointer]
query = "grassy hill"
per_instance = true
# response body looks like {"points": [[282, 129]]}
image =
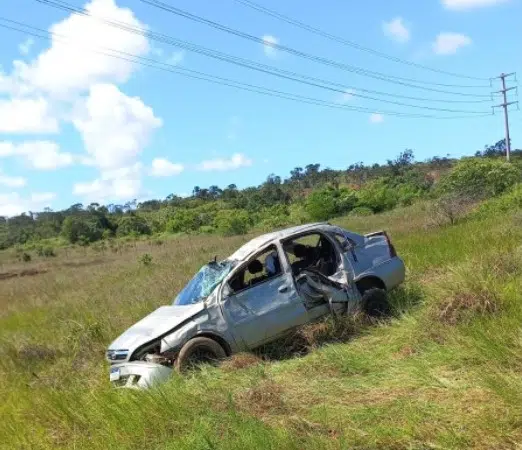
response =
{"points": [[444, 373]]}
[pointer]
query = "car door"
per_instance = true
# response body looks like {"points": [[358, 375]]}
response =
{"points": [[340, 272], [264, 304]]}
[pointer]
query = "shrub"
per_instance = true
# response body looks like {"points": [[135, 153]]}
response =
{"points": [[479, 178], [450, 208], [274, 217], [321, 204], [145, 259], [76, 228], [347, 200], [232, 222], [378, 197], [45, 252], [512, 200], [25, 257], [132, 225], [298, 214], [183, 220]]}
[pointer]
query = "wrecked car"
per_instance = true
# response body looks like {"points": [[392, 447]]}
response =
{"points": [[269, 286]]}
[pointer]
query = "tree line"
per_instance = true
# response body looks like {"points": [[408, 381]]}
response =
{"points": [[309, 193]]}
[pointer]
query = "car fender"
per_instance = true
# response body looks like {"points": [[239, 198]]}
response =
{"points": [[209, 324]]}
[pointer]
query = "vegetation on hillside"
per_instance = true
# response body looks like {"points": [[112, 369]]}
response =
{"points": [[308, 194]]}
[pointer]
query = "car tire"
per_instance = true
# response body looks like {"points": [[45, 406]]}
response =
{"points": [[375, 302], [198, 351]]}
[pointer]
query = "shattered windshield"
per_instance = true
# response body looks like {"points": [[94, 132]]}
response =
{"points": [[204, 282]]}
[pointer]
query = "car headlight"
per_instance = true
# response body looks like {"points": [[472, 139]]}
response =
{"points": [[117, 355]]}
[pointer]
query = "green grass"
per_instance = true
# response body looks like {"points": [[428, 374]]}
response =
{"points": [[444, 373]]}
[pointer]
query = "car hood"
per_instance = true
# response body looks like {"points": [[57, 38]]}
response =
{"points": [[156, 324]]}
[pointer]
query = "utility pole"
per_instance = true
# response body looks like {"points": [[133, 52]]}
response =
{"points": [[505, 105]]}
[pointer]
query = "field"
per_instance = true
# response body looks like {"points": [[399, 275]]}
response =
{"points": [[444, 373]]}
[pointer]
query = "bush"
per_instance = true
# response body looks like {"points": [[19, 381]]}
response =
{"points": [[232, 222], [298, 214], [378, 197], [76, 228], [321, 204], [480, 178], [132, 225], [510, 201], [145, 259], [183, 220], [274, 217], [450, 208], [45, 252], [25, 257], [346, 201]]}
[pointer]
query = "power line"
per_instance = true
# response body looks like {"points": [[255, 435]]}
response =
{"points": [[149, 62], [349, 68], [325, 34], [289, 75]]}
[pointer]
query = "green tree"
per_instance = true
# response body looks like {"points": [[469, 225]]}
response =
{"points": [[232, 221], [132, 224], [322, 204]]}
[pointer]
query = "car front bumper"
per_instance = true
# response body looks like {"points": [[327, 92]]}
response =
{"points": [[138, 374]]}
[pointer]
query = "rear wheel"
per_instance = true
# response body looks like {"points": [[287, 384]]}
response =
{"points": [[375, 302], [198, 351]]}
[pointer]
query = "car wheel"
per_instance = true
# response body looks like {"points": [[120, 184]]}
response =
{"points": [[375, 302], [198, 351]]}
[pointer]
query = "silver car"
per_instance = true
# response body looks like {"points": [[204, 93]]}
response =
{"points": [[269, 286]]}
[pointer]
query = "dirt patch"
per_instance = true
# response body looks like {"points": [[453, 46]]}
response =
{"points": [[23, 273]]}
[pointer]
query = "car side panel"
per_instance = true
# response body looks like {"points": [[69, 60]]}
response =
{"points": [[392, 272]]}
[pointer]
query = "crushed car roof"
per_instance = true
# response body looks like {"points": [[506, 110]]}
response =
{"points": [[250, 247]]}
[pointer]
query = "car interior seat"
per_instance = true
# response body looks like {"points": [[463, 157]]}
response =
{"points": [[256, 267]]}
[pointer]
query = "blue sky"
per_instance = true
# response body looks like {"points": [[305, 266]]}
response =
{"points": [[79, 126]]}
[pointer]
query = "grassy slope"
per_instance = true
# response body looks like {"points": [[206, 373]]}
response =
{"points": [[436, 376]]}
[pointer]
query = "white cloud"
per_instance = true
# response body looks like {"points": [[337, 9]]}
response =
{"points": [[68, 68], [13, 204], [450, 43], [235, 162], [269, 45], [164, 168], [114, 127], [461, 5], [396, 30], [176, 58], [376, 118], [123, 183], [42, 197], [27, 115], [6, 180], [346, 96], [42, 155], [25, 47]]}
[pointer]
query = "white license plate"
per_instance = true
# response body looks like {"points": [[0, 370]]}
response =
{"points": [[114, 375]]}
